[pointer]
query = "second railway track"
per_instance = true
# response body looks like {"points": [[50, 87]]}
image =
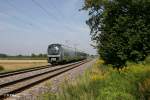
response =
{"points": [[8, 85], [6, 74]]}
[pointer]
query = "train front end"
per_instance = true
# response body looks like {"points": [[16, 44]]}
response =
{"points": [[54, 53]]}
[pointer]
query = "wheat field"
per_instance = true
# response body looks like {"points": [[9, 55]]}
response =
{"points": [[9, 65]]}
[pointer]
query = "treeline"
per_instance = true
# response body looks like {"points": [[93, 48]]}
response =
{"points": [[120, 29], [20, 56]]}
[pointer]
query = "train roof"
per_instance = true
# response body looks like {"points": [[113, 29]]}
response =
{"points": [[60, 45], [67, 47]]}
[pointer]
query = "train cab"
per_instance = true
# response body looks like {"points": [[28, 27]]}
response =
{"points": [[54, 53]]}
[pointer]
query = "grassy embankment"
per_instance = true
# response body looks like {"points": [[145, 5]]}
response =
{"points": [[104, 83], [10, 65]]}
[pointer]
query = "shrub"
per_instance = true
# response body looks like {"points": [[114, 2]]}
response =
{"points": [[105, 85], [120, 29], [1, 68]]}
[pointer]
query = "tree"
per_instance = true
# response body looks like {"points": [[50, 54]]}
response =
{"points": [[3, 55], [120, 28], [19, 55], [40, 55], [33, 55]]}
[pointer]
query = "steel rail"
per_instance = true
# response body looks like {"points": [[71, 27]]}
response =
{"points": [[22, 84], [10, 73], [35, 75]]}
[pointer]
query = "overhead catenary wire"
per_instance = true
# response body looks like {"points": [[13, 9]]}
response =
{"points": [[66, 26], [16, 18], [24, 13], [31, 24], [62, 16], [49, 14], [44, 10]]}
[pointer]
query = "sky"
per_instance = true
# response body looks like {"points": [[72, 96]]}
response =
{"points": [[29, 26]]}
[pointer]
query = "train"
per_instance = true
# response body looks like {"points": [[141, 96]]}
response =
{"points": [[59, 53]]}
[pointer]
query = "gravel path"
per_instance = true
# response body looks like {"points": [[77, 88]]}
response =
{"points": [[34, 92]]}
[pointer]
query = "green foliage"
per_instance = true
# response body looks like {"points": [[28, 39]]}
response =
{"points": [[109, 85], [121, 29], [33, 55], [23, 57], [3, 55], [1, 68], [39, 55], [147, 60]]}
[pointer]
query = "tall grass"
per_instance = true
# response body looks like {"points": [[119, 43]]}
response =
{"points": [[104, 83]]}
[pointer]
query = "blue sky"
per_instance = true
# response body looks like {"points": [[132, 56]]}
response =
{"points": [[29, 26]]}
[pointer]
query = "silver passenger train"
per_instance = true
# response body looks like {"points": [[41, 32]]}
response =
{"points": [[58, 53]]}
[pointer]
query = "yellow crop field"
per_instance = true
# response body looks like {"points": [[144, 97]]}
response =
{"points": [[21, 64]]}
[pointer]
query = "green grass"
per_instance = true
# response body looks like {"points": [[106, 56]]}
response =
{"points": [[104, 83]]}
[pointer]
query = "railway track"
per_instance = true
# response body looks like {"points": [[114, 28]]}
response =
{"points": [[6, 74], [19, 81]]}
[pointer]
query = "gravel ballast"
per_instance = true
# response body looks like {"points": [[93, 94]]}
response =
{"points": [[55, 84]]}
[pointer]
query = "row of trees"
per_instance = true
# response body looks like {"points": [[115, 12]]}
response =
{"points": [[24, 56], [120, 29]]}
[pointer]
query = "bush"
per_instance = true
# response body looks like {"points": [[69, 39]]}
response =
{"points": [[120, 29], [97, 84], [147, 60], [1, 68]]}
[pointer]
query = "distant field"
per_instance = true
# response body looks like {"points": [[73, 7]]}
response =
{"points": [[9, 65], [24, 58]]}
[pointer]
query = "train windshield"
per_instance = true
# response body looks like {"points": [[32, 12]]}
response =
{"points": [[53, 50]]}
